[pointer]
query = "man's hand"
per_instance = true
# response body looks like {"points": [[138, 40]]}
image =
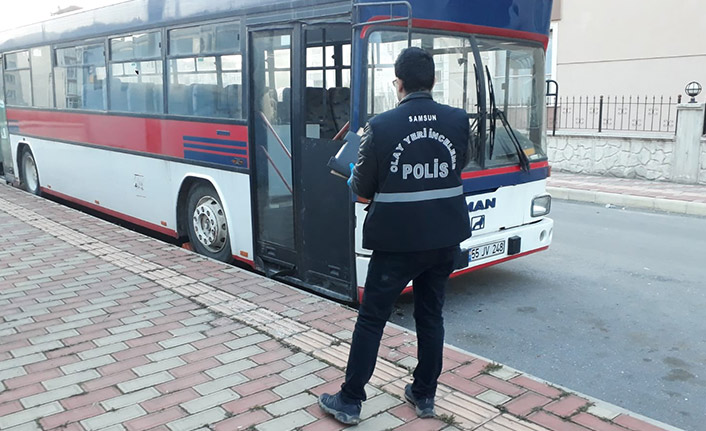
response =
{"points": [[351, 165]]}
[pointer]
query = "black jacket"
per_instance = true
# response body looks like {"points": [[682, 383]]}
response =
{"points": [[410, 164]]}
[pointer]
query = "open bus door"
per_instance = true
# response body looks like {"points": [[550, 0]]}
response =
{"points": [[6, 165], [303, 228]]}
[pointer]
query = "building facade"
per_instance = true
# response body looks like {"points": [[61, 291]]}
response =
{"points": [[627, 47]]}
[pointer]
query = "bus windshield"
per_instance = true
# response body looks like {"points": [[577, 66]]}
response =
{"points": [[516, 72]]}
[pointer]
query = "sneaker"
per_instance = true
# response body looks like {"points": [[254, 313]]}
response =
{"points": [[423, 406], [342, 411]]}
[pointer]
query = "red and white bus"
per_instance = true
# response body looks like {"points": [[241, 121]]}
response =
{"points": [[213, 121]]}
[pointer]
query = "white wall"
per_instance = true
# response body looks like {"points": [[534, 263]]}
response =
{"points": [[630, 47]]}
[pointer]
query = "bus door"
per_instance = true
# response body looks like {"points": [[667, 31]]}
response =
{"points": [[6, 165], [302, 222]]}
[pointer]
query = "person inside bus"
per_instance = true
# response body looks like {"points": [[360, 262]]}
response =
{"points": [[409, 164]]}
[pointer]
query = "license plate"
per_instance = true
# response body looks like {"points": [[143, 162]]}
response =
{"points": [[486, 250]]}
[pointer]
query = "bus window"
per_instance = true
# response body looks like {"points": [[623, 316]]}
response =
{"points": [[517, 74], [79, 76], [18, 88], [43, 91], [328, 81], [136, 76], [205, 71]]}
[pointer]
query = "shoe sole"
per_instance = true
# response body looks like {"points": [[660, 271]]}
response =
{"points": [[420, 413], [340, 416]]}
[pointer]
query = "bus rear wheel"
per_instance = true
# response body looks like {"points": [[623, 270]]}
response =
{"points": [[208, 227], [29, 173]]}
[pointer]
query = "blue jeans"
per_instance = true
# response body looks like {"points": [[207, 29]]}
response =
{"points": [[388, 274]]}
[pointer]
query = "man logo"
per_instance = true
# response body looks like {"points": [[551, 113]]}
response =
{"points": [[480, 205], [478, 223]]}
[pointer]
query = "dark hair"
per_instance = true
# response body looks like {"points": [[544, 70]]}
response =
{"points": [[415, 67]]}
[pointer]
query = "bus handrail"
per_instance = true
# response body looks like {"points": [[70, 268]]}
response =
{"points": [[272, 129], [272, 162]]}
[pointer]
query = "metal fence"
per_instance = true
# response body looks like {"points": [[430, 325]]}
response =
{"points": [[618, 113]]}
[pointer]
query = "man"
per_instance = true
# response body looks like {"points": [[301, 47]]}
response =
{"points": [[409, 164]]}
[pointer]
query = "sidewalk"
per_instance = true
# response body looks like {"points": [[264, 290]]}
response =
{"points": [[632, 193], [102, 328]]}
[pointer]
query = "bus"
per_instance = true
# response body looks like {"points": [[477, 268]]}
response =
{"points": [[213, 122]]}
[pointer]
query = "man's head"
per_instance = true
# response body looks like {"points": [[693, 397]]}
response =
{"points": [[414, 69]]}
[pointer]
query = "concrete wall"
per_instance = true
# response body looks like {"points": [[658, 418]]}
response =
{"points": [[630, 47], [619, 156], [702, 171], [646, 157]]}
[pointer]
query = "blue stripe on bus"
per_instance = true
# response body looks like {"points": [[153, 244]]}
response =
{"points": [[472, 185], [218, 159], [216, 141], [221, 149]]}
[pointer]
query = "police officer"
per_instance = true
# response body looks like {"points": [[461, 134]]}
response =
{"points": [[409, 164]]}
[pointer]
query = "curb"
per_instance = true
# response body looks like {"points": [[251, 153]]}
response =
{"points": [[642, 202]]}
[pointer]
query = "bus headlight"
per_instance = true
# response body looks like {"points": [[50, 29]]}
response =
{"points": [[541, 205]]}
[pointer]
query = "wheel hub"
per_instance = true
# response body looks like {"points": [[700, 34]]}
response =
{"points": [[210, 224]]}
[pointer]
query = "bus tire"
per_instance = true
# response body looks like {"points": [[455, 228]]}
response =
{"points": [[207, 224], [29, 174]]}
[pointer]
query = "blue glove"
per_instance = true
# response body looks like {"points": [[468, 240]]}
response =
{"points": [[350, 179]]}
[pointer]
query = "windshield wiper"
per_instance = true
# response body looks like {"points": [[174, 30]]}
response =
{"points": [[496, 113]]}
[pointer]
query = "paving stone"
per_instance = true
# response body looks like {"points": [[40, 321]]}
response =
{"points": [[29, 415], [184, 339], [155, 367], [52, 395], [288, 422], [101, 351], [303, 369], [87, 364], [492, 397], [378, 404], [247, 341], [171, 353], [71, 379], [382, 421], [145, 382], [227, 369], [129, 399], [193, 422], [110, 419], [298, 358], [209, 401], [297, 402], [236, 355], [297, 386], [219, 384], [54, 336]]}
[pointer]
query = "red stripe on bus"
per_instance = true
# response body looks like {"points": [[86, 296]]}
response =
{"points": [[127, 218], [500, 171], [465, 28], [147, 135], [246, 261]]}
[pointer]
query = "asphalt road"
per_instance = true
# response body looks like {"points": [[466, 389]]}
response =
{"points": [[614, 309]]}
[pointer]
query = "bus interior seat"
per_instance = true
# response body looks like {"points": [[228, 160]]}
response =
{"points": [[118, 95], [284, 108], [317, 112], [231, 101], [340, 103], [205, 99], [179, 99], [140, 97]]}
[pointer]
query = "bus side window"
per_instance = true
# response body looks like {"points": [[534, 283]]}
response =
{"points": [[205, 71]]}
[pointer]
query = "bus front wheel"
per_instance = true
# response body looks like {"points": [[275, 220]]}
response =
{"points": [[208, 227], [29, 174]]}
